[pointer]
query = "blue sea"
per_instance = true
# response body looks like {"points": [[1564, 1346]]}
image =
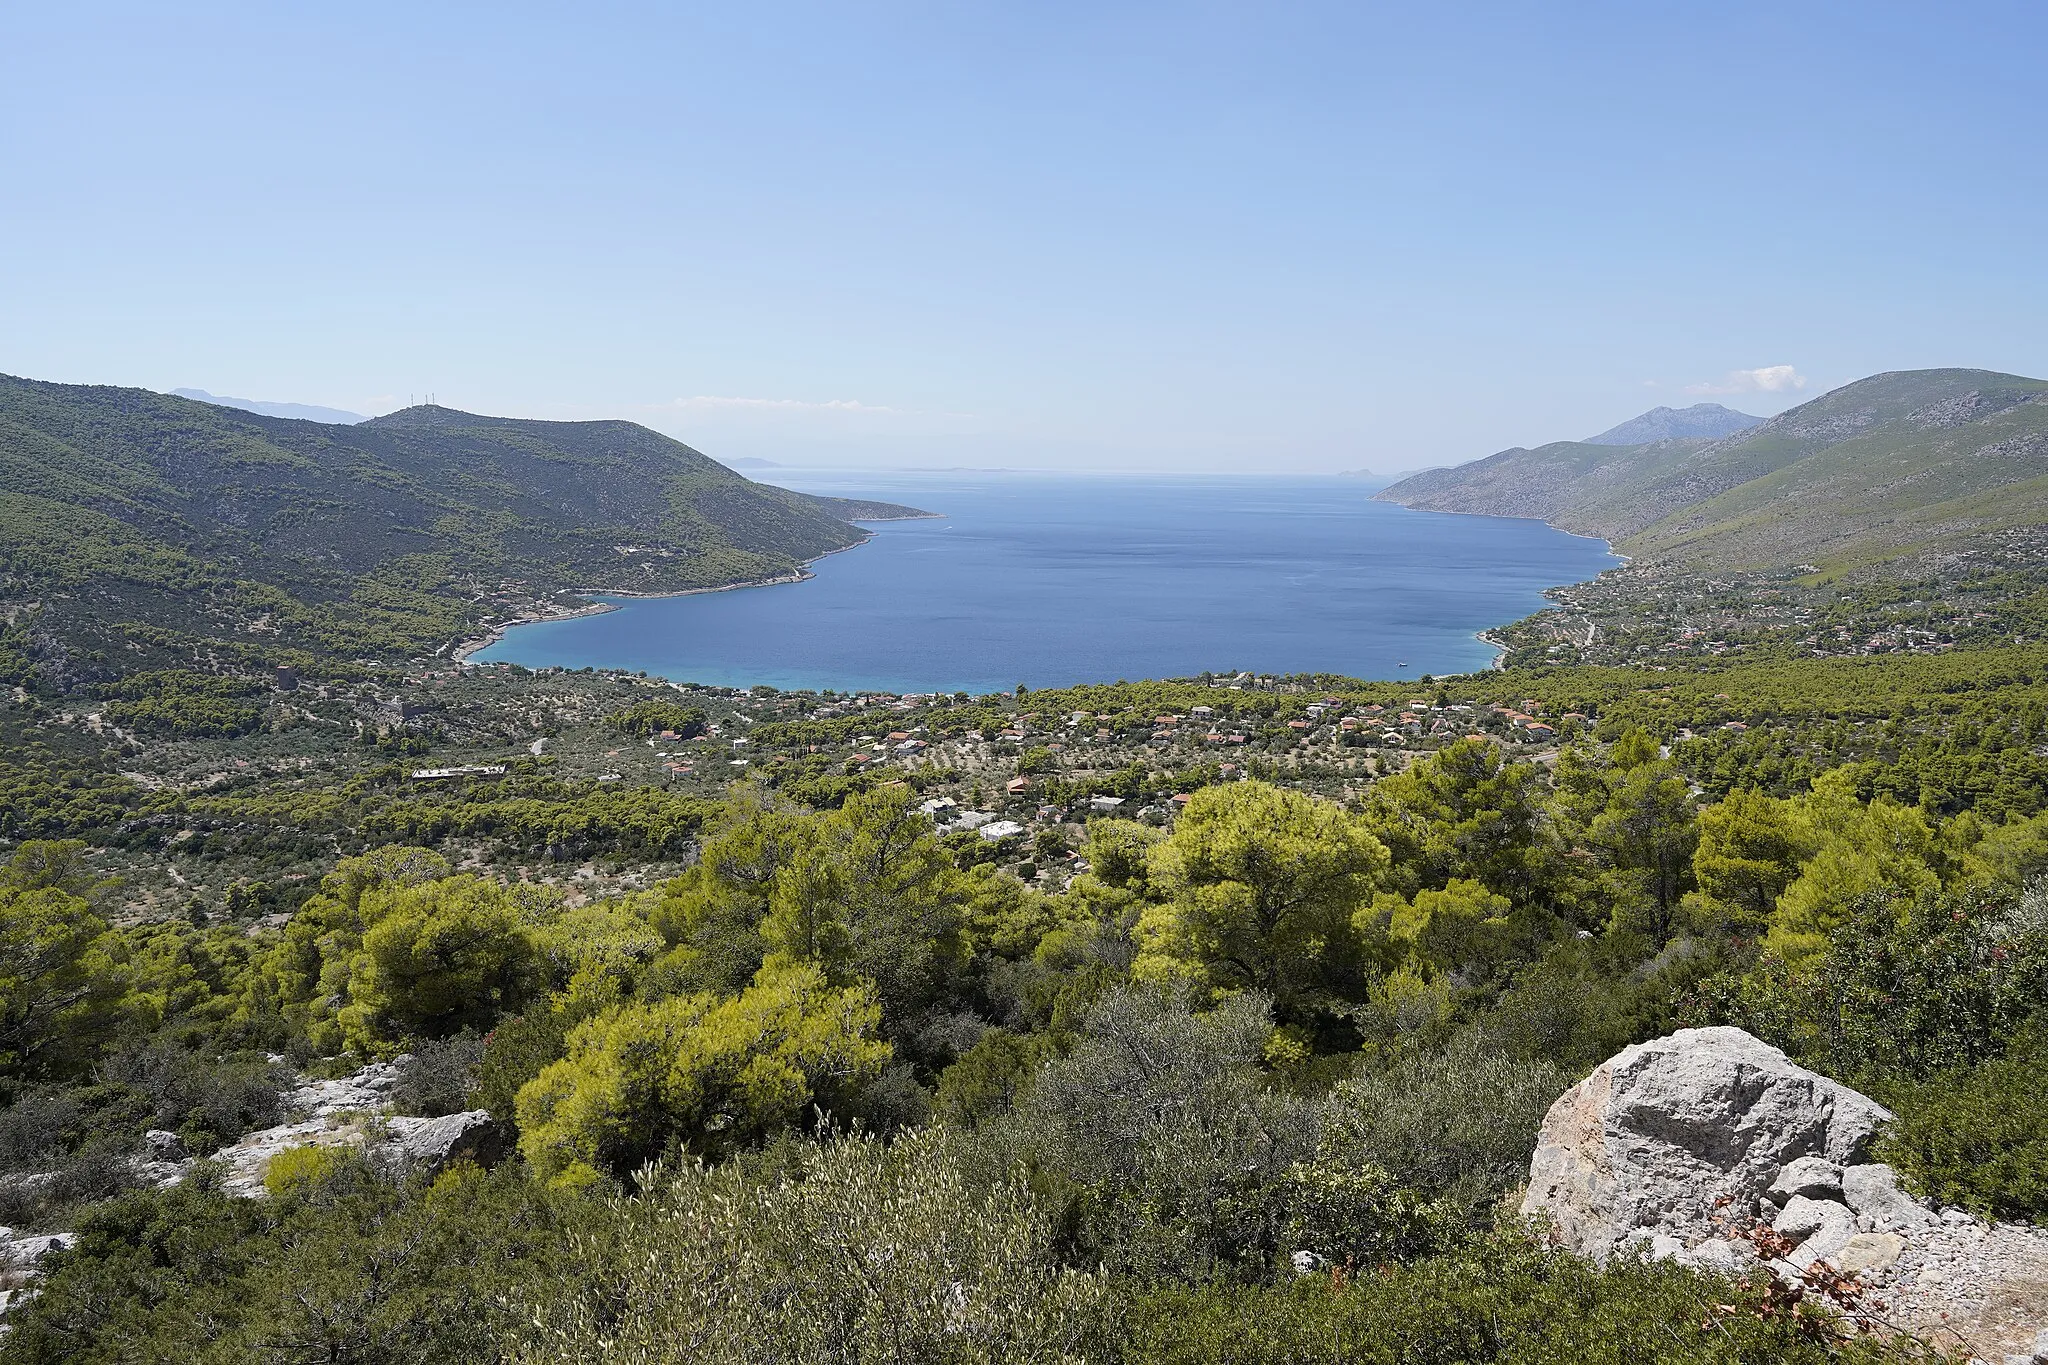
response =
{"points": [[1057, 579]]}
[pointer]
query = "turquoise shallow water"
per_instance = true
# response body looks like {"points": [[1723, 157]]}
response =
{"points": [[1050, 580]]}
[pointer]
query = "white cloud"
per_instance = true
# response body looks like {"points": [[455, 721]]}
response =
{"points": [[707, 401], [1763, 379]]}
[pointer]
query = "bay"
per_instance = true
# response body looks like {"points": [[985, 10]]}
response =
{"points": [[1051, 580]]}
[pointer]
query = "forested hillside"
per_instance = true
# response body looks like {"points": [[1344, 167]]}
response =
{"points": [[143, 530], [1889, 468]]}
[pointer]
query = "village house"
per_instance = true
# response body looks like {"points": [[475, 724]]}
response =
{"points": [[467, 770]]}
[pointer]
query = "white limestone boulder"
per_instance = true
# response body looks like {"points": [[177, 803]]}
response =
{"points": [[1683, 1136], [1873, 1191], [433, 1145]]}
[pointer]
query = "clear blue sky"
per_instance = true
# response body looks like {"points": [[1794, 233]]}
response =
{"points": [[1238, 236]]}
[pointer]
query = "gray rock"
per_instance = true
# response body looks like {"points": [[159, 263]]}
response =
{"points": [[368, 1091], [1651, 1245], [439, 1143], [1811, 1176], [1826, 1244], [1869, 1252], [25, 1253], [1802, 1217], [1681, 1133], [160, 1175], [1721, 1255], [159, 1144], [1307, 1262], [1873, 1191]]}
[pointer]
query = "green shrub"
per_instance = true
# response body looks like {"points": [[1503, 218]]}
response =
{"points": [[208, 1099], [297, 1170], [852, 1250], [1978, 1135], [1159, 1140], [1906, 988], [523, 1046], [1460, 1123], [438, 1075], [1506, 1301], [354, 1268], [706, 1073]]}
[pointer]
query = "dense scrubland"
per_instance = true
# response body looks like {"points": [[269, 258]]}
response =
{"points": [[831, 1093]]}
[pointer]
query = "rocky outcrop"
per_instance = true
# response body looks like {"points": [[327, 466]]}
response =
{"points": [[26, 1252], [347, 1112], [1678, 1147], [354, 1112], [1679, 1136], [21, 1263], [433, 1145]]}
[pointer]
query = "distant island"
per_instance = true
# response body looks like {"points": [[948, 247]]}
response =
{"points": [[302, 412], [749, 462]]}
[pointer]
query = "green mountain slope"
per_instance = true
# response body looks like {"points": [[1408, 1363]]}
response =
{"points": [[1710, 420], [1884, 468], [1581, 486], [138, 528]]}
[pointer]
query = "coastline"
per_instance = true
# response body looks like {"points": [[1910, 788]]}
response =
{"points": [[1486, 637], [466, 650], [562, 604]]}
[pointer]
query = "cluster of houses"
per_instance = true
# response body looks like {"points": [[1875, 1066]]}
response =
{"points": [[950, 817]]}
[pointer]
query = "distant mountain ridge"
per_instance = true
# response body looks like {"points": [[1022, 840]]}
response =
{"points": [[138, 528], [1895, 465], [304, 412], [1668, 424]]}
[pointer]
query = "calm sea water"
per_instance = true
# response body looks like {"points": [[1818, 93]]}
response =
{"points": [[1050, 580]]}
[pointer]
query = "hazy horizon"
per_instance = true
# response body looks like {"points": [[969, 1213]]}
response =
{"points": [[1133, 237]]}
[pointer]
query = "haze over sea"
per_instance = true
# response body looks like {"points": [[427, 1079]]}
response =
{"points": [[1056, 579]]}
